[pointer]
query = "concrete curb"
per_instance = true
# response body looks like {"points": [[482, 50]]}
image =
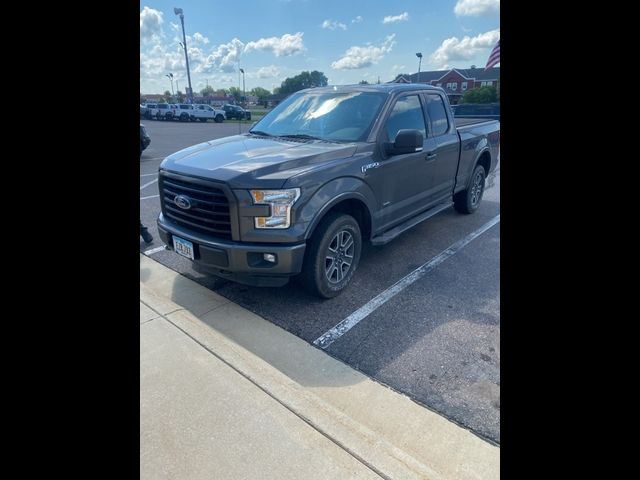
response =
{"points": [[386, 431]]}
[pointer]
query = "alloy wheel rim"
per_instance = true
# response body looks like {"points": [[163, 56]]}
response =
{"points": [[339, 257], [476, 189]]}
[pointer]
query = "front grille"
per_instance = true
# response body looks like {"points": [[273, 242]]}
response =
{"points": [[209, 212]]}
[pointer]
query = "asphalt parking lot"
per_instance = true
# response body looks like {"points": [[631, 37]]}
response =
{"points": [[436, 339]]}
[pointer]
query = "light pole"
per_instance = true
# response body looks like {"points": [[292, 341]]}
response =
{"points": [[178, 11], [244, 94], [170, 77], [419, 55]]}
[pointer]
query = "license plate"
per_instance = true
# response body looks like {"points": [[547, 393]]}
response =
{"points": [[183, 247]]}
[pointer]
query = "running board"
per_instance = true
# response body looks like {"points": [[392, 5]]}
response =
{"points": [[389, 235]]}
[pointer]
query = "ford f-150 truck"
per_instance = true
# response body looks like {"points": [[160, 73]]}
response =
{"points": [[326, 170]]}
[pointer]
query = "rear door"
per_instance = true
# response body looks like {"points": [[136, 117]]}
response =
{"points": [[443, 133]]}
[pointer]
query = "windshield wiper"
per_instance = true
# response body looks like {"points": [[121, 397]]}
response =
{"points": [[259, 132], [300, 135]]}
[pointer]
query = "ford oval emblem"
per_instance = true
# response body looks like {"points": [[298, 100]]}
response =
{"points": [[182, 201]]}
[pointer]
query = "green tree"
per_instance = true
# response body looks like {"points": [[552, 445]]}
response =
{"points": [[167, 94], [302, 81], [480, 95], [180, 96], [236, 92], [207, 91], [363, 82], [260, 92]]}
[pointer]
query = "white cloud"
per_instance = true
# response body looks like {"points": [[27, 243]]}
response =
{"points": [[224, 57], [198, 39], [333, 24], [476, 8], [361, 57], [403, 17], [174, 26], [150, 23], [286, 45], [268, 72], [358, 19], [465, 49], [397, 68]]}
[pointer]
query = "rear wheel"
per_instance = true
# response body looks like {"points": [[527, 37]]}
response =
{"points": [[468, 201], [332, 255], [219, 118], [184, 117]]}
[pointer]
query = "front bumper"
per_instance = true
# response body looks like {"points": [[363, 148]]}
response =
{"points": [[237, 261]]}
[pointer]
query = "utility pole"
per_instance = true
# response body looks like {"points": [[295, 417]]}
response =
{"points": [[178, 11]]}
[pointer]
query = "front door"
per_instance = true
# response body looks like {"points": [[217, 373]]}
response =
{"points": [[403, 183]]}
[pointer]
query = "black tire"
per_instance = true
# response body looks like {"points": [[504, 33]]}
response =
{"points": [[158, 116], [219, 118], [324, 279], [468, 200], [184, 117]]}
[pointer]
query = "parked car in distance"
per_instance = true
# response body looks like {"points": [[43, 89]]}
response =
{"points": [[145, 139], [236, 112], [184, 112], [205, 112], [164, 111], [150, 110]]}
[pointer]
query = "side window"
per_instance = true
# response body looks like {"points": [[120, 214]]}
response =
{"points": [[406, 113], [437, 115]]}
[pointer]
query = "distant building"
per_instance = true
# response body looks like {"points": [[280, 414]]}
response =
{"points": [[273, 100], [152, 97], [455, 81]]}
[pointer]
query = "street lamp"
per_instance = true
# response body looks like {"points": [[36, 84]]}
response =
{"points": [[178, 11], [419, 55], [244, 94], [170, 77]]}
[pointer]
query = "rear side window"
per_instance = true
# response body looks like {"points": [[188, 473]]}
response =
{"points": [[163, 106], [437, 115], [406, 113], [185, 107]]}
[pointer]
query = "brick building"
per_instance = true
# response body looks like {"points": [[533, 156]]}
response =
{"points": [[455, 81]]}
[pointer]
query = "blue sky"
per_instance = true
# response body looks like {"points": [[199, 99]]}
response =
{"points": [[347, 40]]}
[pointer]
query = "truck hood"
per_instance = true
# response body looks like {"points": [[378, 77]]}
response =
{"points": [[247, 161]]}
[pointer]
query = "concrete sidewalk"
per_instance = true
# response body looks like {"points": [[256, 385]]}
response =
{"points": [[225, 394]]}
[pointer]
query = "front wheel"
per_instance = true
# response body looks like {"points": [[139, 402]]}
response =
{"points": [[219, 118], [332, 255], [468, 201]]}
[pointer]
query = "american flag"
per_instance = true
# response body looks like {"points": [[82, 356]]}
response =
{"points": [[494, 58]]}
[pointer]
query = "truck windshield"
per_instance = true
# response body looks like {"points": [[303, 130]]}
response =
{"points": [[333, 116]]}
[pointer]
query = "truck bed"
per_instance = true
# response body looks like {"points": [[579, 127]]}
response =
{"points": [[466, 121]]}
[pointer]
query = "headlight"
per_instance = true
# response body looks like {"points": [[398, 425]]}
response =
{"points": [[280, 202]]}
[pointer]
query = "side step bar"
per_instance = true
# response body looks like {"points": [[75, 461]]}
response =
{"points": [[389, 235]]}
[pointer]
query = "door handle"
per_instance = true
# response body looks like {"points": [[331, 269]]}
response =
{"points": [[431, 156]]}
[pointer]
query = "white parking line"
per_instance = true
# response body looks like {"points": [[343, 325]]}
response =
{"points": [[154, 250], [150, 196], [147, 184], [352, 320], [148, 174]]}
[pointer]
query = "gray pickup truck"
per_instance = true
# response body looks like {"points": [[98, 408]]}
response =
{"points": [[324, 171]]}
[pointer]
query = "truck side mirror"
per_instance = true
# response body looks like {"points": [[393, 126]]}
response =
{"points": [[407, 141]]}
